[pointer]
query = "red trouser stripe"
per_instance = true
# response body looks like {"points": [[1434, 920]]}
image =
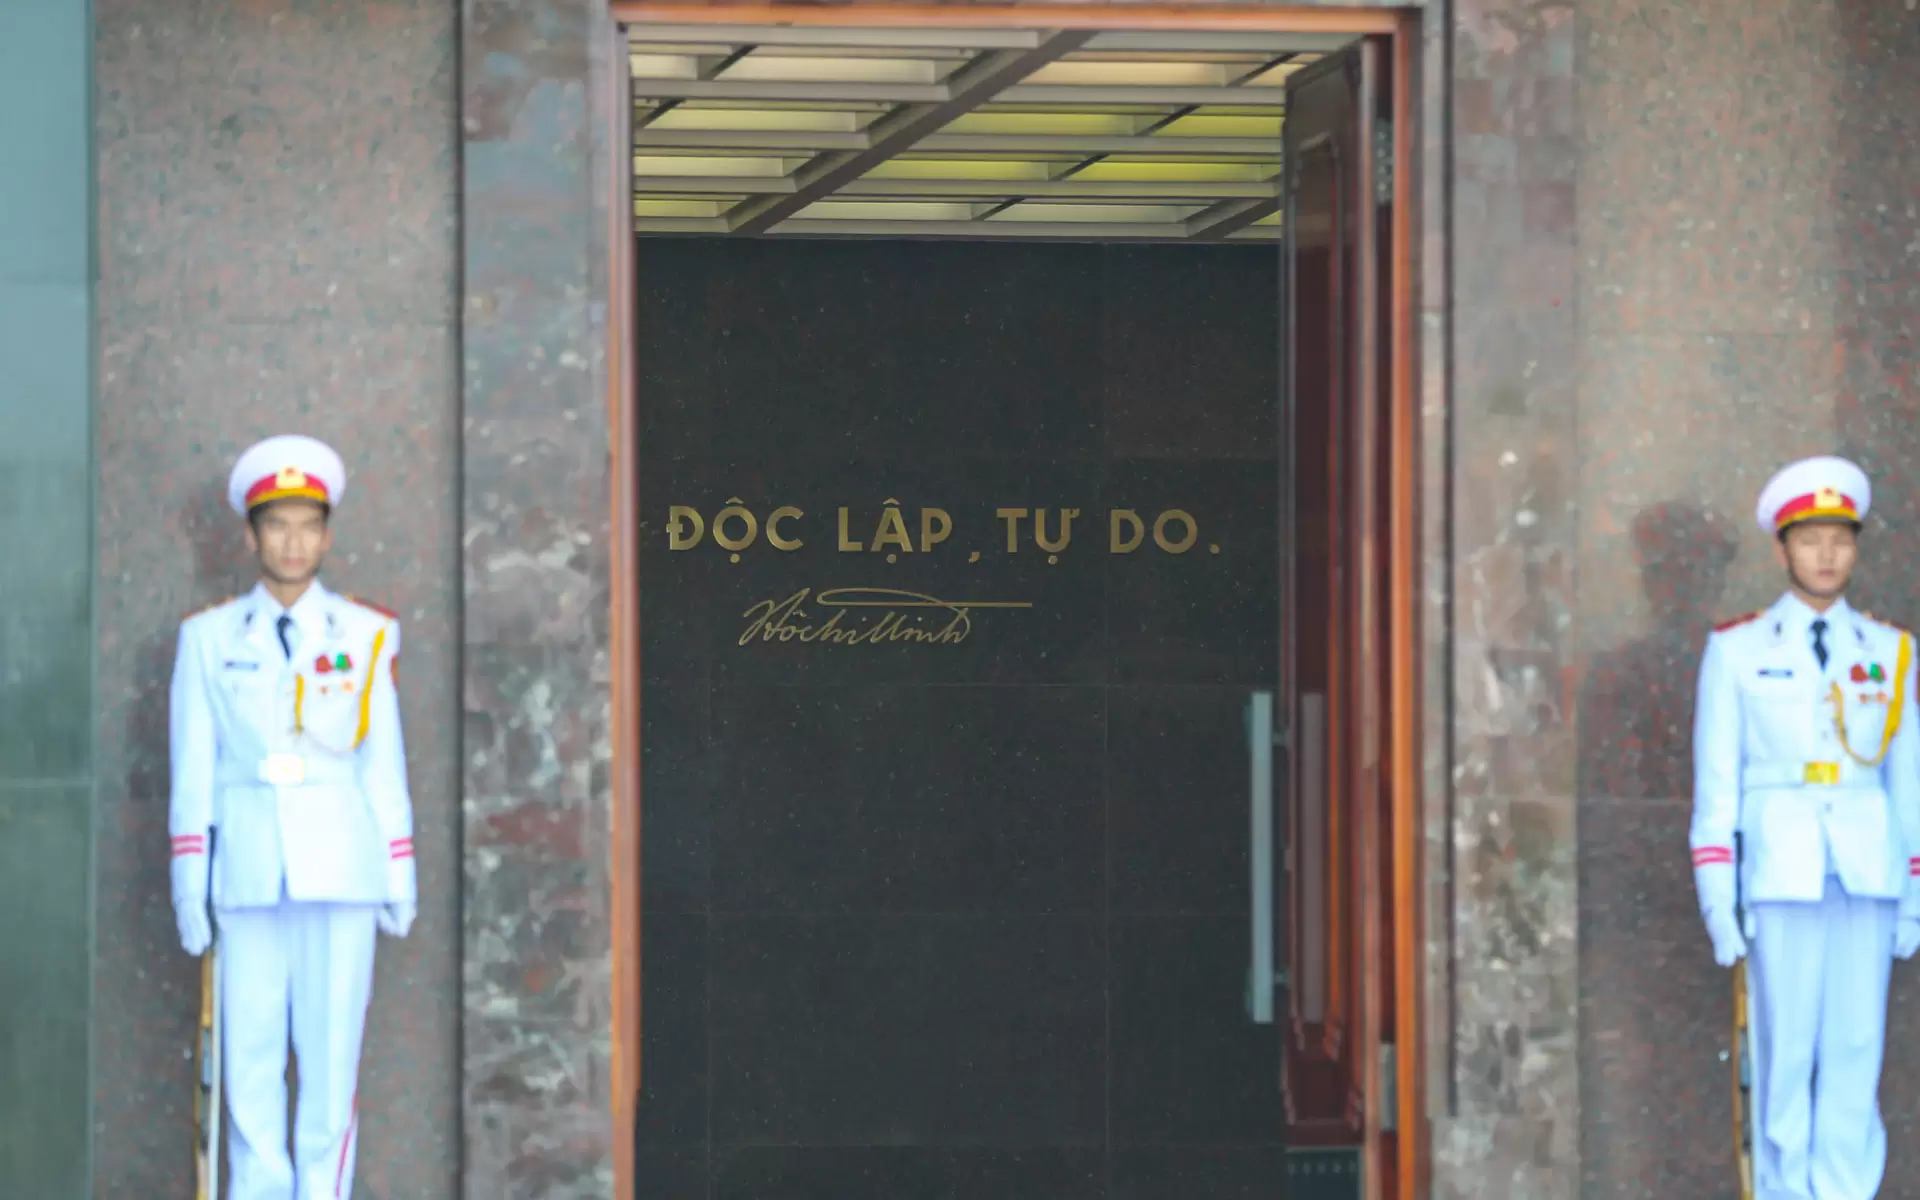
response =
{"points": [[340, 1172]]}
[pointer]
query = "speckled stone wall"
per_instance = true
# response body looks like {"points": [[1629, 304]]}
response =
{"points": [[1748, 283], [277, 247], [1507, 1124], [1680, 249]]}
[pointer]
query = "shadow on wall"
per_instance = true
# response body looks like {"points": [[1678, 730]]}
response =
{"points": [[1876, 150], [221, 567], [1654, 1007], [1646, 686]]}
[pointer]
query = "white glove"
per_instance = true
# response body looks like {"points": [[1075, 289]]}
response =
{"points": [[397, 918], [1906, 937], [1729, 946], [196, 932]]}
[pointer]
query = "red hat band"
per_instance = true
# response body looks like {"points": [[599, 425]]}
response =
{"points": [[1823, 505], [288, 483]]}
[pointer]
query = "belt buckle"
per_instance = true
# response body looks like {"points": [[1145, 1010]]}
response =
{"points": [[283, 770], [1823, 773]]}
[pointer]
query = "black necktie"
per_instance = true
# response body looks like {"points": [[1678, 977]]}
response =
{"points": [[286, 622], [1820, 643]]}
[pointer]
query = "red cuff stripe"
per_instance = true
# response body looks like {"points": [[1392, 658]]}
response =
{"points": [[188, 843], [1913, 866], [1707, 855], [402, 848]]}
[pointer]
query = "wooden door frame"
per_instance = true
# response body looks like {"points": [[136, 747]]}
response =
{"points": [[1402, 29]]}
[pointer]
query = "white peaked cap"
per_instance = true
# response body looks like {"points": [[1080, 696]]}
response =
{"points": [[285, 467], [1814, 489]]}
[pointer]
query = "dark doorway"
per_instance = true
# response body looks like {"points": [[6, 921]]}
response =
{"points": [[1025, 617], [962, 912]]}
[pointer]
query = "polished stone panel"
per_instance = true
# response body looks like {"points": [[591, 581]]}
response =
{"points": [[1747, 294], [671, 1174], [1177, 790], [848, 355], [46, 634], [673, 1090], [47, 598], [533, 166], [678, 775], [1189, 1066], [920, 1030], [277, 251], [1506, 1107], [925, 800], [1222, 1172], [1146, 290], [887, 1172], [1209, 613], [44, 833]]}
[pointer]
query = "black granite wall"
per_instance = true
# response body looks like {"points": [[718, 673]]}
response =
{"points": [[958, 910]]}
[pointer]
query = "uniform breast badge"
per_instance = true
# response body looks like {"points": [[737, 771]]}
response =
{"points": [[1896, 703]]}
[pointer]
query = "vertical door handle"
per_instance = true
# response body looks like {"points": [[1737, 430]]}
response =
{"points": [[1261, 975]]}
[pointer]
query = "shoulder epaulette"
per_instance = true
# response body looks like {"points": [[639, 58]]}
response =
{"points": [[388, 613], [1737, 622], [1897, 628], [209, 608]]}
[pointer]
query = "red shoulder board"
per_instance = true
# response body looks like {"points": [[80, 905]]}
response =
{"points": [[385, 612], [1737, 622]]}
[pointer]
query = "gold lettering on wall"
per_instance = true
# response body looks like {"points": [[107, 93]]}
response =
{"points": [[779, 540], [736, 528], [1013, 517], [892, 533], [929, 519], [1160, 531], [864, 616], [847, 543], [685, 527], [892, 530]]}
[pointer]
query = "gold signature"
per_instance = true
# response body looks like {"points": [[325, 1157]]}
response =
{"points": [[863, 616]]}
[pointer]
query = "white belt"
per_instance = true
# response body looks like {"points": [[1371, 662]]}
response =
{"points": [[286, 770], [1847, 773]]}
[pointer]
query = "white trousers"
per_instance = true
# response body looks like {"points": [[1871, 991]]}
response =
{"points": [[1818, 974], [308, 968]]}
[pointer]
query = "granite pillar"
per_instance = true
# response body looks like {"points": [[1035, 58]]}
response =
{"points": [[277, 253], [537, 1100], [1510, 1123], [46, 597], [1749, 266]]}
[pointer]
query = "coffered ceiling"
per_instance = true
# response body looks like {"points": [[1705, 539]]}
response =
{"points": [[809, 131]]}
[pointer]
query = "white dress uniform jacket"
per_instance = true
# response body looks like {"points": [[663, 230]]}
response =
{"points": [[1817, 769], [299, 764]]}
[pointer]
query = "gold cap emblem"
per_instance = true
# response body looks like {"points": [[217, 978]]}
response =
{"points": [[1826, 498], [290, 477]]}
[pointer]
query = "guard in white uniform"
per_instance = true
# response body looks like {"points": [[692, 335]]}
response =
{"points": [[1806, 744], [288, 763]]}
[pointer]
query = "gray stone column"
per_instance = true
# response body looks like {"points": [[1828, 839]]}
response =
{"points": [[46, 595]]}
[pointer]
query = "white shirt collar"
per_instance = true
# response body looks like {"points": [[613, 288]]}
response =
{"points": [[1795, 616], [308, 612]]}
